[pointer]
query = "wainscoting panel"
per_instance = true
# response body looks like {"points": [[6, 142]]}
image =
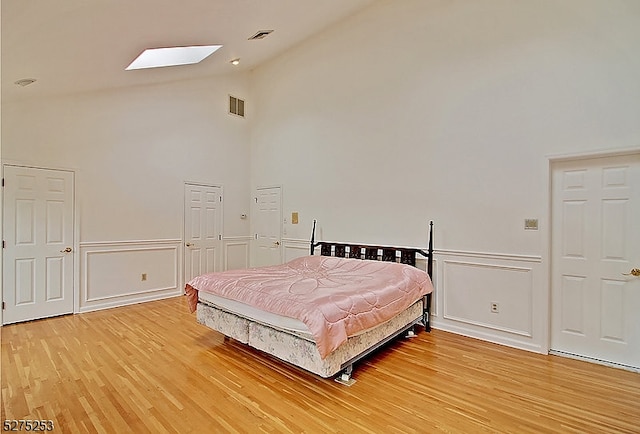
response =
{"points": [[295, 248], [490, 296], [495, 297], [236, 253], [126, 272]]}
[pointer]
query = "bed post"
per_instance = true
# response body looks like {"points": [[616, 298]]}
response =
{"points": [[430, 251], [313, 237], [427, 308]]}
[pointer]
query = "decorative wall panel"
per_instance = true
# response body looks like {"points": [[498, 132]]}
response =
{"points": [[119, 273]]}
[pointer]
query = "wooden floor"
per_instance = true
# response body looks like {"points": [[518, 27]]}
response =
{"points": [[152, 368]]}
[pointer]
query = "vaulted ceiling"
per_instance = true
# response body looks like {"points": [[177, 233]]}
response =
{"points": [[73, 46]]}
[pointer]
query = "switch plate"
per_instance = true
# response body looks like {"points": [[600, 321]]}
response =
{"points": [[294, 218], [531, 224], [144, 277]]}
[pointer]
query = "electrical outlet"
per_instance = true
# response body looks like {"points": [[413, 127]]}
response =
{"points": [[144, 277], [495, 307]]}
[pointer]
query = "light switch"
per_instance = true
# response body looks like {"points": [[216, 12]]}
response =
{"points": [[531, 224], [294, 218]]}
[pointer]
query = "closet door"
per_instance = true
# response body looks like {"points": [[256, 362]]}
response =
{"points": [[267, 224], [38, 243], [595, 248], [202, 229]]}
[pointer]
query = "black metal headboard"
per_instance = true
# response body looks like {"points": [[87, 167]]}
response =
{"points": [[404, 255]]}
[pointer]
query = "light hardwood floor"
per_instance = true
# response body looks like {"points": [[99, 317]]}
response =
{"points": [[152, 368]]}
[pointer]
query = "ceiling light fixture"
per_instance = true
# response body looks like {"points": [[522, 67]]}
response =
{"points": [[25, 82], [235, 61], [172, 56]]}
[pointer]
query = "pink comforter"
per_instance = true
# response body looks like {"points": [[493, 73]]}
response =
{"points": [[334, 297]]}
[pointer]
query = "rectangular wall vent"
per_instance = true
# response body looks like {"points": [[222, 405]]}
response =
{"points": [[236, 106]]}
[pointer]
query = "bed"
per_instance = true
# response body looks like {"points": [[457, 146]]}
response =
{"points": [[321, 313]]}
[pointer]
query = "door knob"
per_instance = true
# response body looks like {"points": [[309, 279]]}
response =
{"points": [[277, 243], [189, 245], [633, 272], [67, 250]]}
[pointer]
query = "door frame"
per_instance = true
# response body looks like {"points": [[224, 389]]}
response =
{"points": [[184, 222], [76, 230], [552, 160]]}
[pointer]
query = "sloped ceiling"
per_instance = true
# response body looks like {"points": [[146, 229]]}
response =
{"points": [[72, 46]]}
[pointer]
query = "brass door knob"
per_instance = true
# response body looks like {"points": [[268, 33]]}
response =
{"points": [[67, 250], [277, 243], [189, 245], [634, 272]]}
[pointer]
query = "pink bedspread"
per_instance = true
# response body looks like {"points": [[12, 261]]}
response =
{"points": [[334, 297]]}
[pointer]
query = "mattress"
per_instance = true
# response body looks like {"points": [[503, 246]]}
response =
{"points": [[279, 322]]}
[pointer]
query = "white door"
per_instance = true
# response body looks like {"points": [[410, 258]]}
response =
{"points": [[38, 243], [267, 226], [595, 245], [202, 229]]}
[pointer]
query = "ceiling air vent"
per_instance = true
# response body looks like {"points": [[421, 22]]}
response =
{"points": [[260, 35], [25, 82], [236, 106]]}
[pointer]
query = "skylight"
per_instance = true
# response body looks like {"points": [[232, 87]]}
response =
{"points": [[172, 56]]}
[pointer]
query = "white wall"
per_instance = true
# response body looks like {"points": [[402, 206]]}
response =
{"points": [[408, 111], [448, 110], [132, 150]]}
